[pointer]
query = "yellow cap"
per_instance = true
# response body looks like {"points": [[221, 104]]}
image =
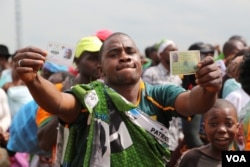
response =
{"points": [[90, 44]]}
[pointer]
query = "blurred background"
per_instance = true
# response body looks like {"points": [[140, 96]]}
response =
{"points": [[36, 22]]}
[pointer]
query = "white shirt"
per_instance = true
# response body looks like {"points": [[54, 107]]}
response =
{"points": [[5, 118], [159, 75], [17, 97], [239, 98]]}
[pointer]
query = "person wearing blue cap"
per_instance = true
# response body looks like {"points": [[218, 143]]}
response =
{"points": [[50, 68]]}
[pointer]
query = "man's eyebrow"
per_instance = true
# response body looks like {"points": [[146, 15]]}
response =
{"points": [[113, 49], [117, 48], [130, 47], [212, 118], [110, 50]]}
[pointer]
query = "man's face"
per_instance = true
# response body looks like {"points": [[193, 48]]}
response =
{"points": [[68, 53], [87, 65], [237, 47], [155, 57], [166, 53], [3, 61], [120, 62], [175, 58]]}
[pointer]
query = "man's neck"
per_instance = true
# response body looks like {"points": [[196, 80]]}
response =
{"points": [[211, 151], [167, 66], [130, 92], [82, 80]]}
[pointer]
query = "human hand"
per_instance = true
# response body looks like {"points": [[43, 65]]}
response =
{"points": [[209, 75], [28, 61]]}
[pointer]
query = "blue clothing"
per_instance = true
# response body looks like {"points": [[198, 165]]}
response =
{"points": [[52, 67], [6, 77], [23, 130], [230, 85]]}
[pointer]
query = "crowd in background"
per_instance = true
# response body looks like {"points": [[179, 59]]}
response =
{"points": [[30, 136]]}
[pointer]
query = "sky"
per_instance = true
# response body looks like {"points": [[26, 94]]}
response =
{"points": [[35, 22]]}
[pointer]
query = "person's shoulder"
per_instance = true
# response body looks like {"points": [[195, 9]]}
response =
{"points": [[244, 113], [5, 72], [234, 94], [232, 81], [189, 158], [229, 86], [22, 116], [150, 70], [161, 87], [2, 92], [192, 153], [150, 87], [98, 82], [30, 105]]}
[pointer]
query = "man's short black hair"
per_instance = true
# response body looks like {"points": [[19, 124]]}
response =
{"points": [[4, 52], [114, 34], [149, 50]]}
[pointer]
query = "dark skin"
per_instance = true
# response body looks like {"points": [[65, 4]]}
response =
{"points": [[86, 66], [155, 58], [121, 66], [121, 58], [165, 56], [47, 134], [220, 124], [231, 48]]}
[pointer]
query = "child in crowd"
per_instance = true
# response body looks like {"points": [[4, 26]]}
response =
{"points": [[220, 125]]}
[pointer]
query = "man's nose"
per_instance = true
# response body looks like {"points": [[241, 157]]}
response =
{"points": [[124, 57]]}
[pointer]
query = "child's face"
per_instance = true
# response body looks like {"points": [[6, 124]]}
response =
{"points": [[220, 126]]}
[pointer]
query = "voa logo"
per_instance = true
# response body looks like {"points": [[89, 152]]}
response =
{"points": [[236, 158]]}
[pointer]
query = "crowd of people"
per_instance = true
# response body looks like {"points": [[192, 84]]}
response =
{"points": [[116, 106]]}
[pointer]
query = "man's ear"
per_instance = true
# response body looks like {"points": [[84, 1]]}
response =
{"points": [[76, 60], [100, 71]]}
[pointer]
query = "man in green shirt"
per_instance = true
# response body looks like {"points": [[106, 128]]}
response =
{"points": [[117, 133]]}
